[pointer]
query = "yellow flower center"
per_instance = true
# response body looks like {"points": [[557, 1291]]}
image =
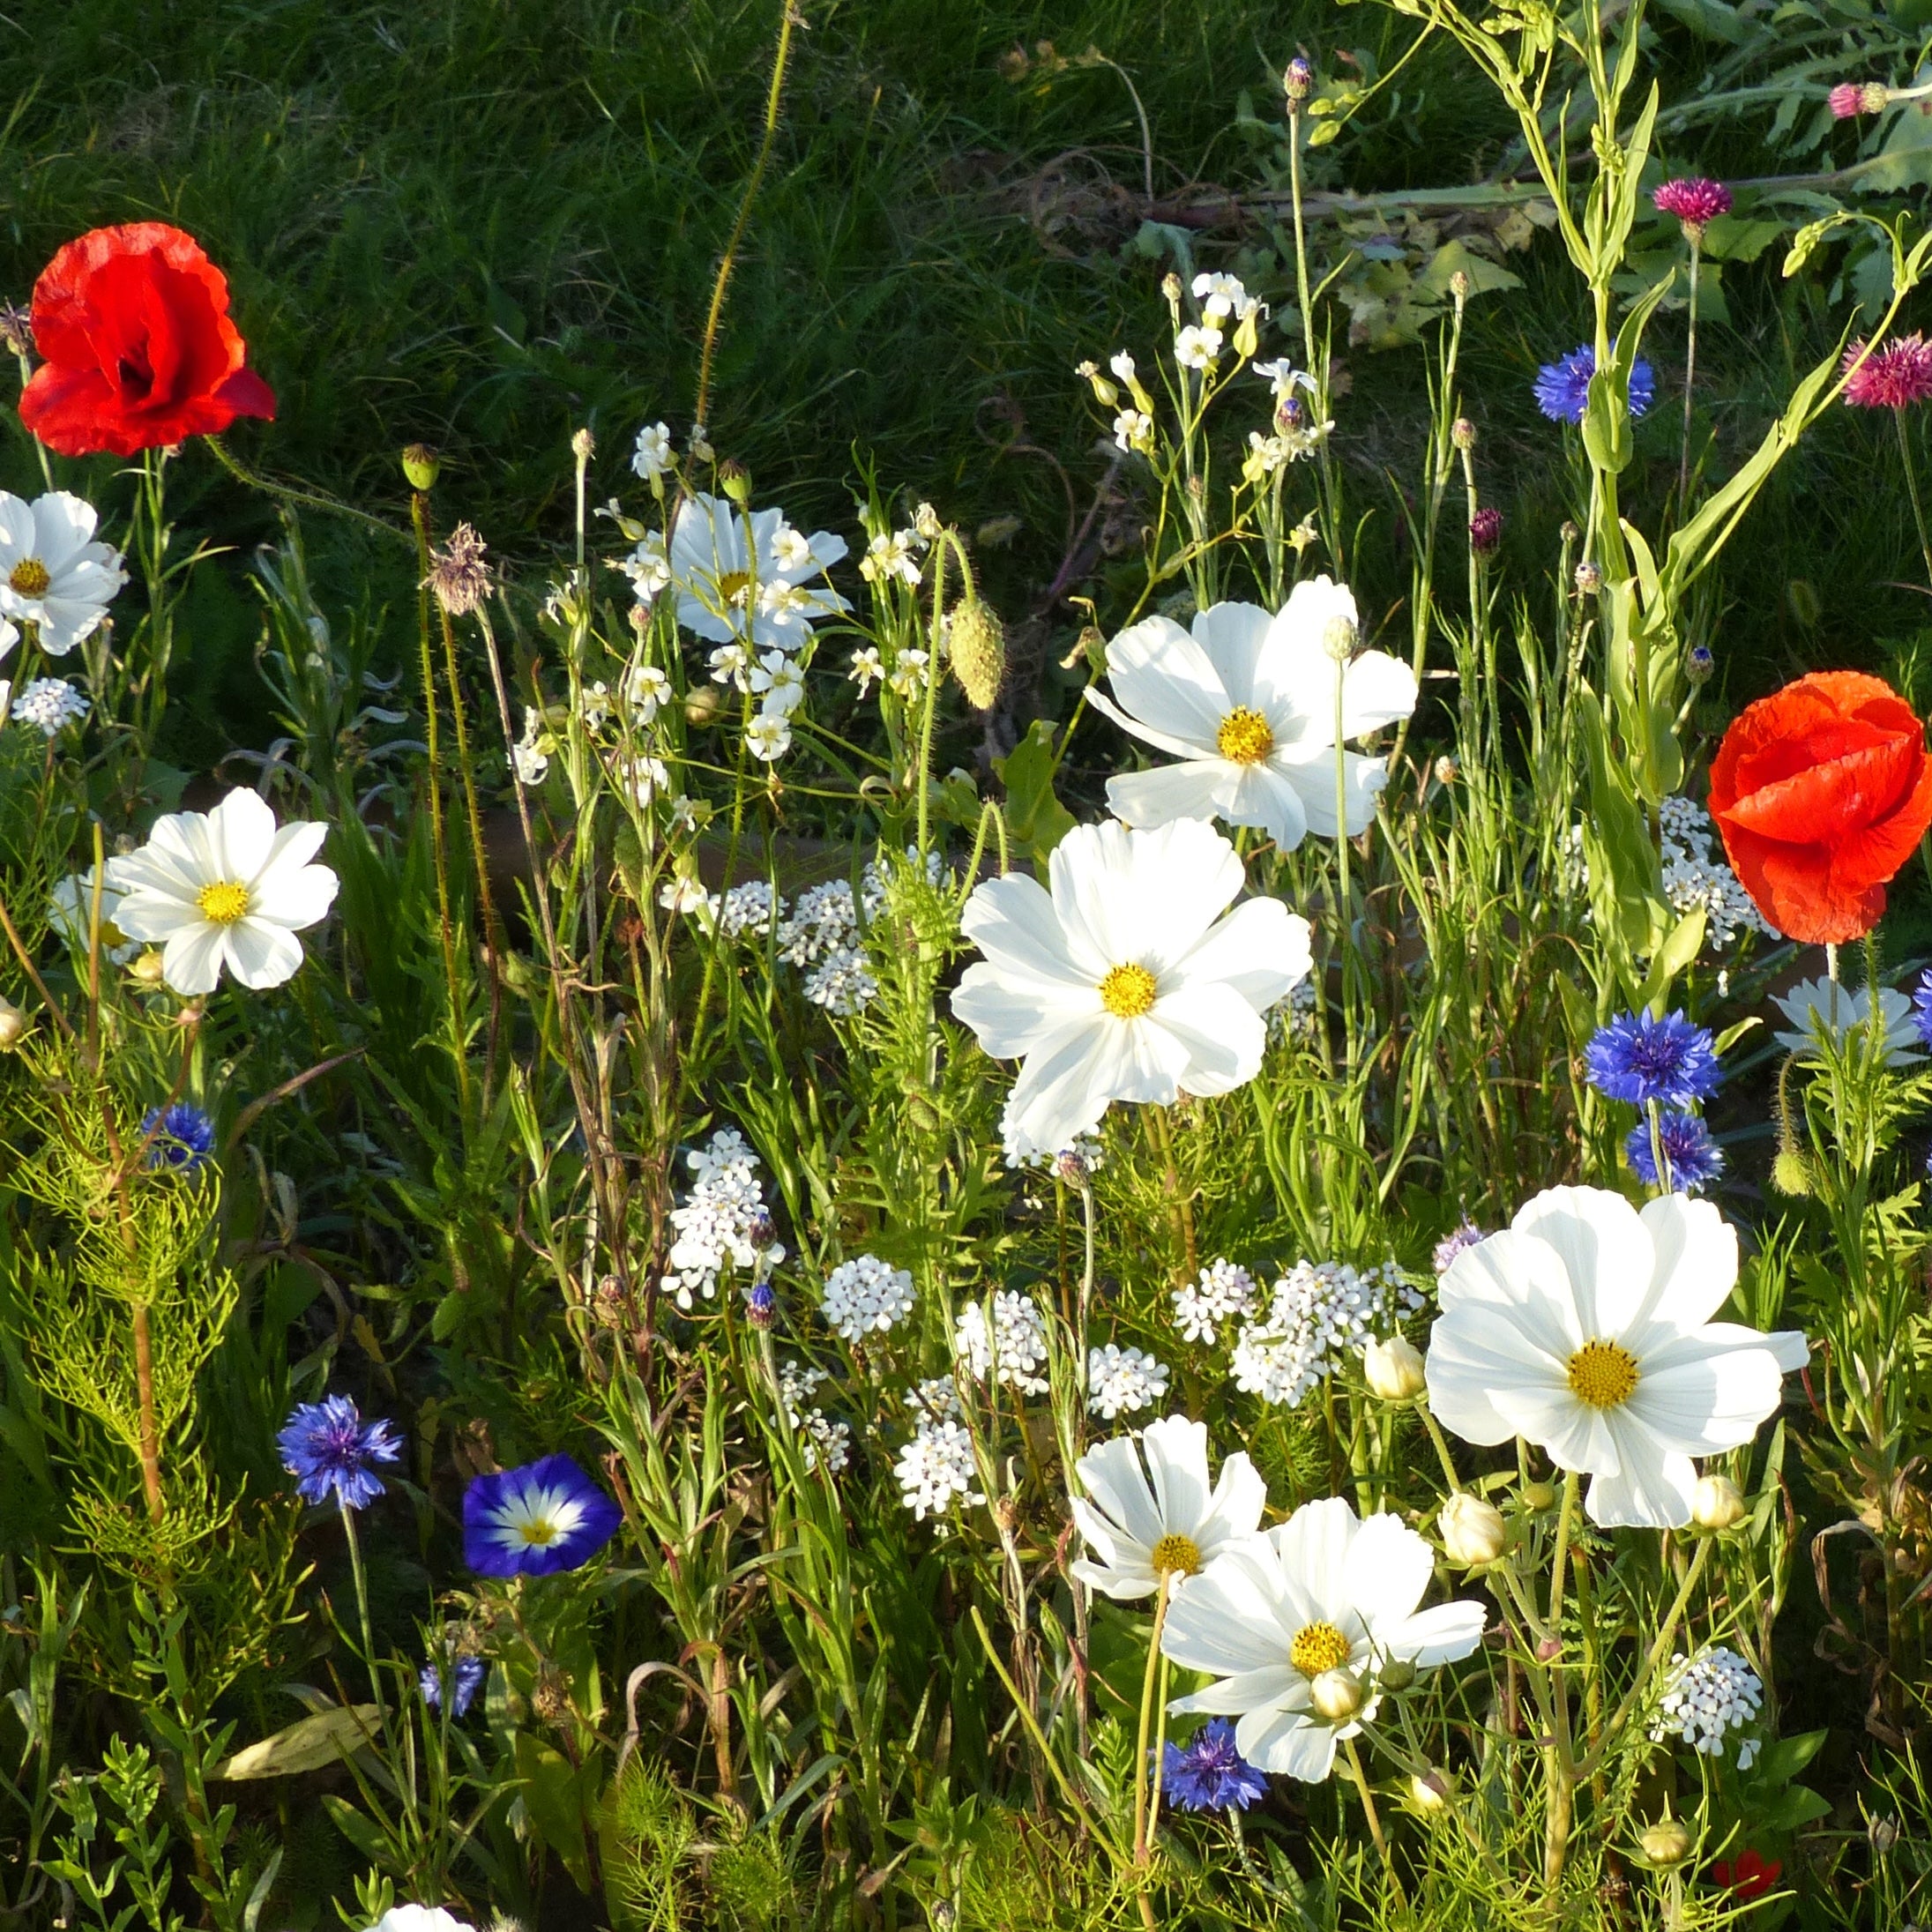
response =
{"points": [[1128, 991], [223, 903], [1177, 1555], [1603, 1375], [1244, 737], [733, 586], [30, 577], [1318, 1647], [539, 1531]]}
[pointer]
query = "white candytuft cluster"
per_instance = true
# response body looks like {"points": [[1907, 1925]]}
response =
{"points": [[820, 1436], [1708, 1700], [717, 1223], [1694, 876], [1224, 1290], [1121, 1381], [866, 1297], [49, 705], [750, 908], [1320, 1311], [1016, 1340], [935, 1400], [936, 1470], [842, 984]]}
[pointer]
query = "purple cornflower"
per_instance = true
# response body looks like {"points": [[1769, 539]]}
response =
{"points": [[1897, 376], [1696, 202], [464, 1675], [183, 1137], [329, 1448], [1562, 388], [1691, 1154], [1641, 1059], [1485, 531], [1208, 1774], [1465, 1234], [545, 1517]]}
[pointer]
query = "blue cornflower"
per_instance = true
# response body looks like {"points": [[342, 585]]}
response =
{"points": [[1207, 1773], [183, 1137], [328, 1448], [1641, 1059], [465, 1676], [1693, 1157], [761, 1304], [1922, 1008], [533, 1521], [1562, 388]]}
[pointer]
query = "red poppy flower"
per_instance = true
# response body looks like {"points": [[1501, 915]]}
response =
{"points": [[1821, 791], [138, 349], [1750, 1878]]}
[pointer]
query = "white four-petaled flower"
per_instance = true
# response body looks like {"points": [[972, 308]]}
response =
{"points": [[1248, 702], [1124, 982]]}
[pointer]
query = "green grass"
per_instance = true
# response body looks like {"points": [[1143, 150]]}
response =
{"points": [[483, 222]]}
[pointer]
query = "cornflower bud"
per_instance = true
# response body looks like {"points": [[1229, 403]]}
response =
{"points": [[1298, 81], [1336, 1695], [1461, 287], [12, 1025], [420, 464], [761, 1305], [1589, 579], [1394, 1369], [1071, 1166], [736, 480], [1699, 664], [1716, 1503], [1462, 433], [1664, 1844], [1472, 1531], [1485, 531]]}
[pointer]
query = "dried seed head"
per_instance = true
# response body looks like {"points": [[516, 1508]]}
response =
{"points": [[736, 480], [458, 574], [16, 330], [583, 445], [976, 644]]}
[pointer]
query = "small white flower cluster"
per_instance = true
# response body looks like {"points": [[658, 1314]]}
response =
{"points": [[747, 908], [530, 756], [820, 1435], [892, 555], [1224, 1290], [1694, 876], [719, 1219], [1017, 1341], [935, 1400], [1320, 1311], [865, 1297], [49, 705], [935, 1469], [1121, 1380], [1710, 1699]]}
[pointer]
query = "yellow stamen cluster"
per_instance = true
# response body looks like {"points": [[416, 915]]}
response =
{"points": [[1245, 736], [30, 577], [1603, 1375], [223, 902], [1318, 1647], [1129, 991], [1178, 1557]]}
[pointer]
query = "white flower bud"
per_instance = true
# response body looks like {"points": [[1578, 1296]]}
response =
{"points": [[1715, 1504], [1336, 1695], [12, 1024], [1339, 639], [1430, 1792], [1394, 1369], [1473, 1531]]}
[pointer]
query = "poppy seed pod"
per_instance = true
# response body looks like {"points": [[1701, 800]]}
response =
{"points": [[420, 466], [1472, 1531], [976, 644]]}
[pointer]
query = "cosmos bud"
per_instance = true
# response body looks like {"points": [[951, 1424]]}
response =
{"points": [[1430, 1790], [1539, 1496], [1665, 1844], [1394, 1369], [1336, 1695], [1397, 1673], [12, 1025], [1472, 1531], [1716, 1503], [149, 969]]}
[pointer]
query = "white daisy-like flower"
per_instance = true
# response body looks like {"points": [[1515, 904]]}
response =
{"points": [[1813, 1006], [53, 575], [768, 738], [908, 677], [1298, 1620], [1123, 1381], [71, 912], [1584, 1328], [595, 704], [720, 557], [654, 453], [1221, 296], [1124, 983], [1197, 346], [1134, 430], [891, 554], [867, 670], [1247, 703], [648, 567], [226, 888], [1149, 1510]]}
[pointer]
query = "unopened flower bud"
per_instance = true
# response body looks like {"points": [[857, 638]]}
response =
{"points": [[1790, 1173], [420, 466], [1462, 433], [16, 330], [550, 1700], [1339, 639], [1394, 1369], [1874, 97], [977, 644], [1397, 1673], [1485, 531], [1461, 285], [1472, 1531], [1430, 1790], [1447, 769], [1336, 1695], [149, 969], [583, 445], [1538, 1496], [1568, 532], [1071, 1166], [1698, 664], [12, 1024], [1170, 287], [1589, 579], [1298, 80], [1716, 1503], [1665, 1844], [761, 1305], [1883, 1834], [701, 449], [736, 480], [926, 522], [702, 706]]}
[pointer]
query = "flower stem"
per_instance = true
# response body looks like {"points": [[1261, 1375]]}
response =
{"points": [[1911, 490], [1142, 1851], [1690, 377], [1369, 1812]]}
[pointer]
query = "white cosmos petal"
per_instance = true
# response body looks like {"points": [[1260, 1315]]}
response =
{"points": [[1261, 949], [1312, 1546], [1310, 770], [1289, 1744], [297, 899], [1605, 1249], [1176, 1453], [1221, 1034], [1696, 1264], [1266, 795], [18, 532], [1200, 788], [1200, 745], [1166, 682], [1231, 635], [1235, 1508], [1069, 1075], [261, 955], [1652, 1490], [1377, 689], [1265, 1687], [64, 526], [1698, 1408], [1011, 921], [1441, 1635], [191, 959], [1386, 1570], [1014, 1016], [1294, 680]]}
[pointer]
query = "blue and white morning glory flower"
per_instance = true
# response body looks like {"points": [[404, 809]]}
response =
{"points": [[536, 1520]]}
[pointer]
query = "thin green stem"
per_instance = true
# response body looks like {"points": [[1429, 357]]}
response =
{"points": [[1911, 490], [1142, 1850], [1690, 377]]}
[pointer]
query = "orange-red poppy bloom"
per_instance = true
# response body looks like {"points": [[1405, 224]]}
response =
{"points": [[1821, 791], [137, 350], [1750, 1878]]}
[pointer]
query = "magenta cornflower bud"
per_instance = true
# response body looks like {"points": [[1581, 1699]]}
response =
{"points": [[1895, 377], [1485, 531], [1850, 98], [1299, 81], [1696, 202]]}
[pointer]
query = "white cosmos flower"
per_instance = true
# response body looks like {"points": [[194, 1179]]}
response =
{"points": [[1124, 983], [1584, 1328], [52, 573], [1322, 1596], [70, 913], [720, 579], [1247, 703], [1842, 1014], [1139, 1521], [224, 888]]}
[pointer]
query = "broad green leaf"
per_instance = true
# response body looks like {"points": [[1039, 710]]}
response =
{"points": [[308, 1745], [1037, 819]]}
